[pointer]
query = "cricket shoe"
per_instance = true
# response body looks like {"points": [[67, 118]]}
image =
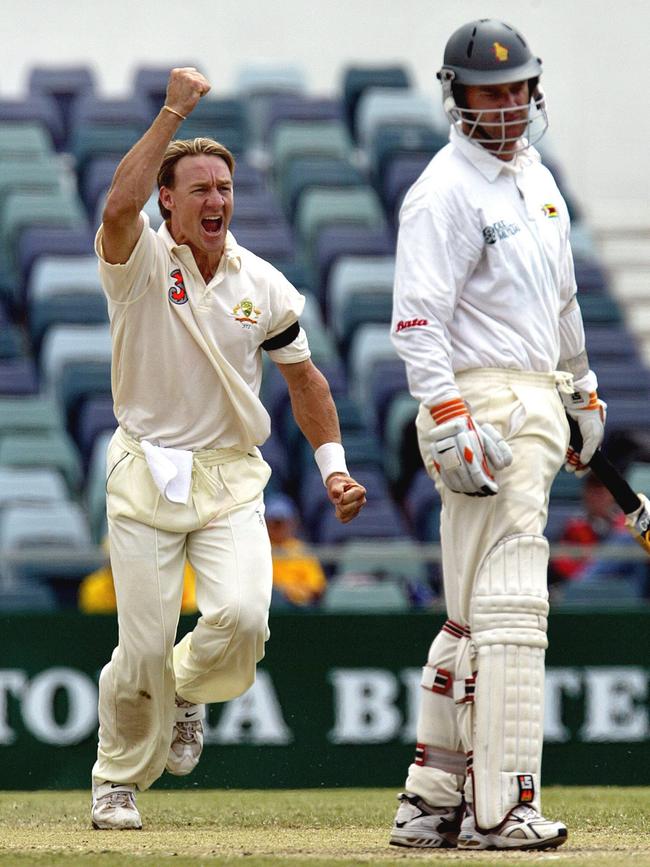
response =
{"points": [[114, 808], [424, 827], [522, 828], [187, 738]]}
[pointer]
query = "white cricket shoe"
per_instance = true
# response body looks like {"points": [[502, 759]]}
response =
{"points": [[187, 738], [522, 828], [114, 808], [424, 827]]}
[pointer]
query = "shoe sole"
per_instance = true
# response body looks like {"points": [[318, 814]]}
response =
{"points": [[534, 844], [408, 842], [97, 827]]}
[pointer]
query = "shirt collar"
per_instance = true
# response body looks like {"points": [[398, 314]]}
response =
{"points": [[232, 254], [486, 163]]}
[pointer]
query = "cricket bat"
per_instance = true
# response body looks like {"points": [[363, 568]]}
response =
{"points": [[635, 506]]}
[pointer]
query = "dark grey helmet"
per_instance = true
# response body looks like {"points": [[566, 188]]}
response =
{"points": [[488, 51], [491, 52]]}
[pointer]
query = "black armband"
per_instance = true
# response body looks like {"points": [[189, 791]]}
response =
{"points": [[283, 339]]}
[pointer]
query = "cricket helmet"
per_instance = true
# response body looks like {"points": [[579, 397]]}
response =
{"points": [[488, 52]]}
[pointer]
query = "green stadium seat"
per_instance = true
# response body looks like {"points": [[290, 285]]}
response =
{"points": [[30, 414], [50, 448], [351, 206], [371, 598], [25, 141]]}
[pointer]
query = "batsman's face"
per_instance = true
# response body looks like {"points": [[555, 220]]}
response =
{"points": [[497, 115], [201, 204]]}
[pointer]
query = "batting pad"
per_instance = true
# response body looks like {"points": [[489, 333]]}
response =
{"points": [[508, 621]]}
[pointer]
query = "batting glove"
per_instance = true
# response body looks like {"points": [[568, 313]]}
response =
{"points": [[463, 451], [586, 408]]}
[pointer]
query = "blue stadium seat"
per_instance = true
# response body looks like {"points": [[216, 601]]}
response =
{"points": [[357, 79], [37, 108], [18, 376]]}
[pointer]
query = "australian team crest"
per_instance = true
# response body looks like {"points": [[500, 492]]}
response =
{"points": [[177, 292], [246, 312]]}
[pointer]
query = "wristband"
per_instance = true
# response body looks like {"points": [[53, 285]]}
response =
{"points": [[443, 412], [173, 111], [330, 458]]}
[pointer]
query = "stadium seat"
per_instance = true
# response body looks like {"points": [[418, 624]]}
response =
{"points": [[399, 418], [336, 241], [220, 119], [371, 343], [396, 563], [306, 172], [12, 342], [21, 210], [357, 79], [381, 106], [58, 524], [610, 592], [23, 486], [272, 241], [599, 310], [349, 206], [292, 139], [372, 598], [32, 598], [37, 241], [64, 84], [24, 141], [53, 448], [69, 343], [94, 495], [18, 376], [36, 108], [94, 416], [54, 275], [360, 309], [566, 487], [379, 519], [387, 380], [400, 175], [29, 414], [43, 174], [258, 83], [356, 275], [298, 107], [422, 505], [69, 308], [81, 380], [411, 139]]}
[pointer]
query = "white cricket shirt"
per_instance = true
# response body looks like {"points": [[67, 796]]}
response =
{"points": [[165, 386], [484, 271]]}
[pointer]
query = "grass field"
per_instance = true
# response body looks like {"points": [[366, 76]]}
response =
{"points": [[607, 827]]}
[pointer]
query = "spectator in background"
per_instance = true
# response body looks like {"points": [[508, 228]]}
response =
{"points": [[97, 591], [298, 577], [601, 523]]}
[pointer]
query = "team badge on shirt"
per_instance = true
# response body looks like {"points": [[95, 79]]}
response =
{"points": [[245, 312], [549, 210], [177, 292]]}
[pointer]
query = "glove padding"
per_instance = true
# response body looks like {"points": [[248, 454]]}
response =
{"points": [[590, 413], [463, 451]]}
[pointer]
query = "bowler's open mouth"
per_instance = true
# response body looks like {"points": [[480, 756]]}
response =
{"points": [[212, 225]]}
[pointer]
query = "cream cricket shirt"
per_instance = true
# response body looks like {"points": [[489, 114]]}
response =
{"points": [[165, 386], [484, 272]]}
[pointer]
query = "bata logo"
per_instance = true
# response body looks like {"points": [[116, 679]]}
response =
{"points": [[410, 323]]}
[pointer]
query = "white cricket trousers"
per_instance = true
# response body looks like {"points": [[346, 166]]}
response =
{"points": [[223, 534], [527, 410]]}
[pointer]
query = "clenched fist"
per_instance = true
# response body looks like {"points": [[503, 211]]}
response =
{"points": [[348, 496], [185, 88]]}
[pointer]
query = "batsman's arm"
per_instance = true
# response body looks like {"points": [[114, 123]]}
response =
{"points": [[635, 506]]}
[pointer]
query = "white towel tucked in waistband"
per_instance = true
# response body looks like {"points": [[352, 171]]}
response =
{"points": [[171, 470]]}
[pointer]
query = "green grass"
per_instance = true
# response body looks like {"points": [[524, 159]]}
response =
{"points": [[607, 827]]}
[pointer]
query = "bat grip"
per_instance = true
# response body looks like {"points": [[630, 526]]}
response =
{"points": [[606, 472]]}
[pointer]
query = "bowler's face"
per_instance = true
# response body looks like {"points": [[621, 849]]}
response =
{"points": [[201, 203]]}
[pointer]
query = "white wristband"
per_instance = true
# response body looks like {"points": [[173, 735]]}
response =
{"points": [[330, 458]]}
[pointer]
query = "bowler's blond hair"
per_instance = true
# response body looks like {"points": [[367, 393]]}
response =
{"points": [[188, 148]]}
